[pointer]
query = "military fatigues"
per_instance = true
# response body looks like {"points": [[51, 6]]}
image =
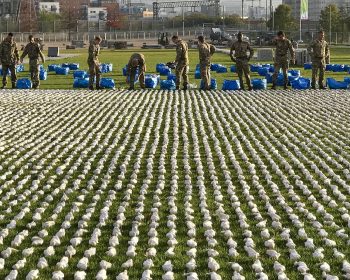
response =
{"points": [[205, 52], [9, 58], [94, 65], [131, 70], [182, 62], [319, 52], [33, 51], [281, 59], [242, 65]]}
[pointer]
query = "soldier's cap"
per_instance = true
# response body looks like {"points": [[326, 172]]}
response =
{"points": [[239, 33], [98, 38]]}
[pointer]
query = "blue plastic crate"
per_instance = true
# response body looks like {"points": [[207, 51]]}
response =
{"points": [[231, 85], [62, 70], [24, 84], [73, 66], [107, 83], [301, 83], [79, 74], [43, 75], [151, 81], [259, 84], [333, 84], [167, 84], [81, 83]]}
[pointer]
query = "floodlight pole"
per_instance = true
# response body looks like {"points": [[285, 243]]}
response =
{"points": [[330, 24]]}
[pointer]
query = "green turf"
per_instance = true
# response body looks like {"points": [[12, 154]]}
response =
{"points": [[120, 57]]}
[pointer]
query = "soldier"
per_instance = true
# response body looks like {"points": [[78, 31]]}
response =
{"points": [[283, 45], [94, 64], [320, 56], [181, 62], [205, 52], [9, 58], [241, 59], [33, 51], [136, 61]]}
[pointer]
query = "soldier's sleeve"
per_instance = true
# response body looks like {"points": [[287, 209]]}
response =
{"points": [[310, 48], [179, 51], [212, 49], [291, 50], [128, 68], [25, 52], [328, 54], [232, 49], [16, 52], [251, 51], [0, 52], [41, 55]]}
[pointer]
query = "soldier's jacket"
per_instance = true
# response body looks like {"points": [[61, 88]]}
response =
{"points": [[205, 52], [8, 52], [182, 53], [94, 51], [282, 48], [33, 51], [241, 49], [142, 63], [319, 49]]}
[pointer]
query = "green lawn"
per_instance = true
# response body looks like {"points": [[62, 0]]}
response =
{"points": [[120, 57]]}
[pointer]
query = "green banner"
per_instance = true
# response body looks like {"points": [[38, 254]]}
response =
{"points": [[304, 9]]}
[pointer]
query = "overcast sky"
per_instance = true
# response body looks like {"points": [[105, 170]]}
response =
{"points": [[237, 4]]}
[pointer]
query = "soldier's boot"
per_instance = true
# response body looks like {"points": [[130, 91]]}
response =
{"points": [[321, 85], [241, 84], [313, 84], [13, 84], [285, 86], [185, 87], [3, 84], [273, 85], [91, 87], [250, 87]]}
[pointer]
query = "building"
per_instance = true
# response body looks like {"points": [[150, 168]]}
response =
{"points": [[9, 8], [257, 12], [96, 14], [50, 7], [315, 7]]}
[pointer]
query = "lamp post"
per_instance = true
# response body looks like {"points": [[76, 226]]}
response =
{"points": [[330, 24]]}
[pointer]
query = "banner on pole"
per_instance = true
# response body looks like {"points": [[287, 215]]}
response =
{"points": [[304, 9]]}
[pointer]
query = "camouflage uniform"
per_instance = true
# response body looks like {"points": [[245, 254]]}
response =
{"points": [[242, 65], [281, 59], [205, 52], [181, 64], [9, 58], [33, 51], [131, 70], [319, 52], [94, 65]]}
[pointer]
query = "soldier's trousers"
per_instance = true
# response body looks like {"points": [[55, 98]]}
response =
{"points": [[12, 69], [318, 65], [284, 64], [94, 71], [181, 71], [132, 78], [205, 75], [242, 67], [34, 72]]}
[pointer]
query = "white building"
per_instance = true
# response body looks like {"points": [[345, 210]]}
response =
{"points": [[96, 14], [50, 7]]}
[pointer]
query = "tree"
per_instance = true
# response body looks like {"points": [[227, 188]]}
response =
{"points": [[48, 21], [330, 17], [282, 19]]}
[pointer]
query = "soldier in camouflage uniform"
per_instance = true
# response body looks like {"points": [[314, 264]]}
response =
{"points": [[205, 52], [9, 58], [181, 62], [94, 64], [320, 55], [33, 51], [283, 45], [136, 62], [241, 58]]}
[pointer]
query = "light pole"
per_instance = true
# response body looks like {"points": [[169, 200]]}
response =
{"points": [[330, 24]]}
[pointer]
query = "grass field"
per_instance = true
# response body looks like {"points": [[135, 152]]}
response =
{"points": [[151, 185], [120, 57]]}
